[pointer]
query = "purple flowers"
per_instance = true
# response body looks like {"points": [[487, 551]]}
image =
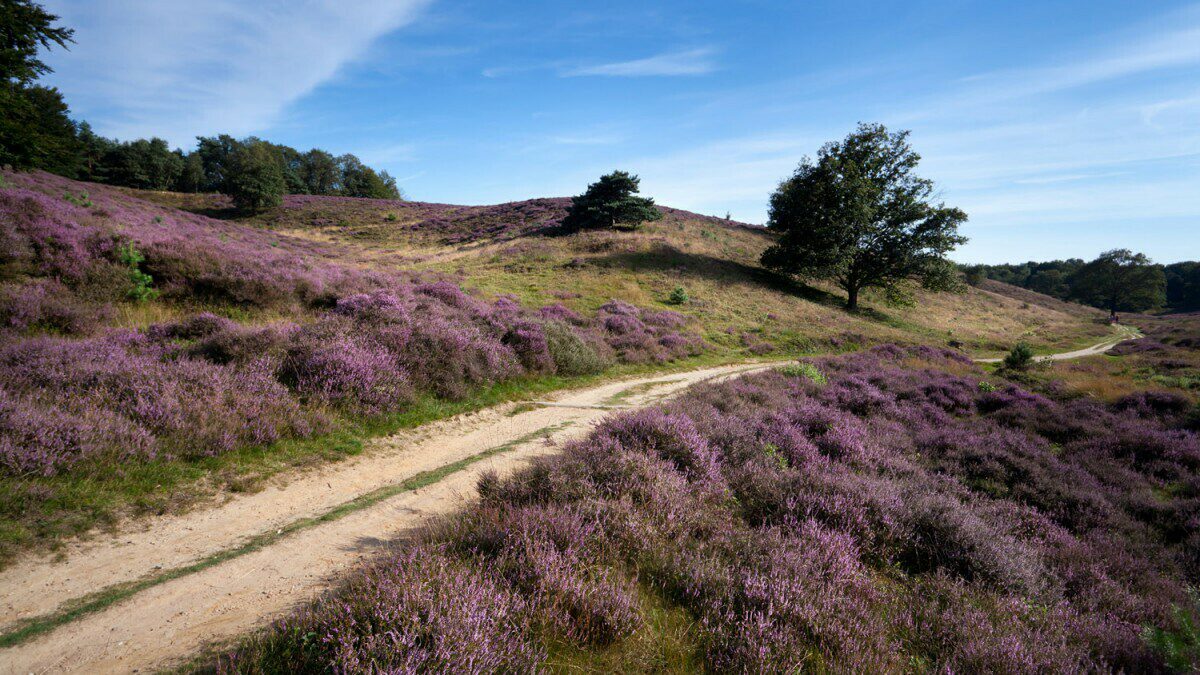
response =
{"points": [[897, 517], [344, 341]]}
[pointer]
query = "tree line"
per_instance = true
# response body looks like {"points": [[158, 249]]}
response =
{"points": [[37, 132], [1117, 280]]}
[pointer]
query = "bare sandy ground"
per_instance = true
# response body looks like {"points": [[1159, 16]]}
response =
{"points": [[1123, 333], [167, 622]]}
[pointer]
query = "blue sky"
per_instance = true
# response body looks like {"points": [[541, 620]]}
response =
{"points": [[1063, 128]]}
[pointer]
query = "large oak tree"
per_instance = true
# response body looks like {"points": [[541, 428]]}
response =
{"points": [[860, 216]]}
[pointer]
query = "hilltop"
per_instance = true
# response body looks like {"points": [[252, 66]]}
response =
{"points": [[515, 248]]}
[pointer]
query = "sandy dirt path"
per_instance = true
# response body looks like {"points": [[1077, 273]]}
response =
{"points": [[1123, 333], [169, 621]]}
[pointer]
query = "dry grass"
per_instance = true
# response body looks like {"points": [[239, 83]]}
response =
{"points": [[715, 261]]}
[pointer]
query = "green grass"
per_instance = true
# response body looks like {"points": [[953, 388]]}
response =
{"points": [[33, 627], [668, 642]]}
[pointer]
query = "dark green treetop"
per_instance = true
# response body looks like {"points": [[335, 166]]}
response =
{"points": [[612, 202]]}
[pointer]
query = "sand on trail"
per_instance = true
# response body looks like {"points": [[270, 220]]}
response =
{"points": [[168, 622], [1123, 334]]}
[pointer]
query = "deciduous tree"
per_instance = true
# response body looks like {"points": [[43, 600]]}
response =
{"points": [[861, 217]]}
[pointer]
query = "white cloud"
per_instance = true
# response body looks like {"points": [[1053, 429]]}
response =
{"points": [[179, 68], [690, 62]]}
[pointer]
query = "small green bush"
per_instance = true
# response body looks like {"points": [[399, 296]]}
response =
{"points": [[1180, 647], [679, 296], [804, 369], [986, 387], [572, 356], [141, 288], [1020, 358]]}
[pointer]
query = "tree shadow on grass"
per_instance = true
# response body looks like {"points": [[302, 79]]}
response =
{"points": [[666, 258]]}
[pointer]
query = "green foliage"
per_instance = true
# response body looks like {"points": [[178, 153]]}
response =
{"points": [[1121, 280], [679, 296], [1183, 285], [82, 199], [255, 180], [987, 387], [772, 451], [360, 180], [141, 284], [1180, 647], [35, 130], [861, 217], [26, 29], [143, 164], [1020, 358], [191, 175], [320, 173], [572, 356], [805, 370], [610, 202]]}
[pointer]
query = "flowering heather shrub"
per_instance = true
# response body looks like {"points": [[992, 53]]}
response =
{"points": [[359, 343], [47, 305], [143, 401], [896, 518], [435, 613]]}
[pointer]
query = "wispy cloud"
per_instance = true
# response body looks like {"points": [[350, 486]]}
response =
{"points": [[690, 62], [178, 68]]}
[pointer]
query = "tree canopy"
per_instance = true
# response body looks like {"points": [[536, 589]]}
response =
{"points": [[35, 130], [255, 178], [860, 216], [612, 202], [1121, 281]]}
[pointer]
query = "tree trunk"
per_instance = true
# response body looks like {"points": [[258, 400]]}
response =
{"points": [[852, 297]]}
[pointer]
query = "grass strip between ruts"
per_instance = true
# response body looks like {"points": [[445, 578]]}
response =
{"points": [[28, 629]]}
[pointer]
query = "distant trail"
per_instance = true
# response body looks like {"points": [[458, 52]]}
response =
{"points": [[209, 576], [1124, 334]]}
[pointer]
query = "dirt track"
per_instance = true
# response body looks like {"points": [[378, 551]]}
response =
{"points": [[1123, 333], [171, 620]]}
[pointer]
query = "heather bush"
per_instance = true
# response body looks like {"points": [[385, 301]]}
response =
{"points": [[140, 395], [47, 305], [898, 517]]}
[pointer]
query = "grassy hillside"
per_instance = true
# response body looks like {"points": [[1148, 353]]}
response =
{"points": [[153, 346], [514, 249]]}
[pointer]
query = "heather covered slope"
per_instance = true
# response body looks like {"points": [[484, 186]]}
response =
{"points": [[144, 347], [514, 248], [138, 340], [891, 510]]}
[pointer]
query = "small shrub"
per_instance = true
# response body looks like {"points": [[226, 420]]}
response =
{"points": [[679, 296], [572, 356], [805, 370], [1020, 358], [986, 387], [140, 289]]}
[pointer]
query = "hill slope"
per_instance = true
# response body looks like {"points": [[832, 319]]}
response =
{"points": [[513, 248], [145, 348]]}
